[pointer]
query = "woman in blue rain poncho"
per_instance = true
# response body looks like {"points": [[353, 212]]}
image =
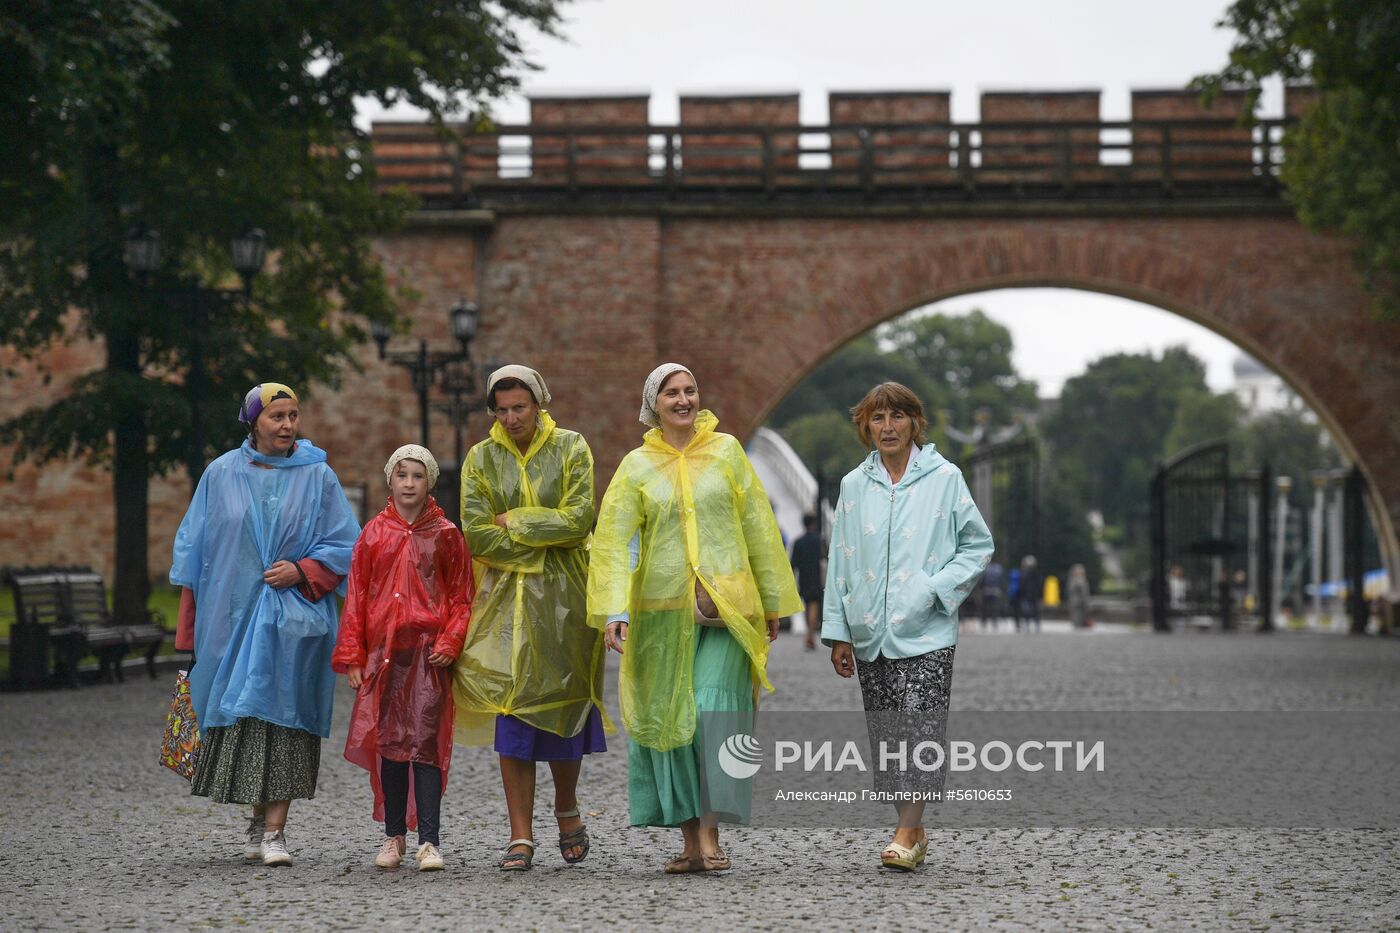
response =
{"points": [[267, 538], [688, 577]]}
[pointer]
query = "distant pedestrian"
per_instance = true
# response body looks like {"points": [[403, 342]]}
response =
{"points": [[907, 547], [267, 537], [1077, 596], [993, 594], [1013, 594], [807, 563], [1028, 594], [406, 614]]}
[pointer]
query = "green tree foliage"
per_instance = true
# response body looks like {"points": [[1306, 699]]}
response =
{"points": [[197, 119], [839, 383], [967, 361], [1202, 416], [1292, 444], [1110, 429], [1342, 165], [827, 443], [1066, 538]]}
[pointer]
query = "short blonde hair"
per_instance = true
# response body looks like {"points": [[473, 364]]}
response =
{"points": [[890, 396]]}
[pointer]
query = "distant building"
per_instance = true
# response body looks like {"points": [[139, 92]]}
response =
{"points": [[1261, 390]]}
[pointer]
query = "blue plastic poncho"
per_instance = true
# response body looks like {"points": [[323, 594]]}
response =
{"points": [[262, 652]]}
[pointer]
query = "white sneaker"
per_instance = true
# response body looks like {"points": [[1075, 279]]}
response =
{"points": [[429, 858], [274, 849], [391, 853], [252, 848]]}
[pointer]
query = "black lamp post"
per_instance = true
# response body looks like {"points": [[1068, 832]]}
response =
{"points": [[426, 366], [142, 255]]}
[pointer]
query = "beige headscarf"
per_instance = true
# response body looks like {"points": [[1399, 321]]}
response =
{"points": [[412, 452], [652, 388], [526, 375]]}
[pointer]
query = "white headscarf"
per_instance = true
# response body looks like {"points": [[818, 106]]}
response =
{"points": [[412, 452], [652, 388], [526, 375]]}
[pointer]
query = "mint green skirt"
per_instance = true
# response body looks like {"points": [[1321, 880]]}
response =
{"points": [[668, 788]]}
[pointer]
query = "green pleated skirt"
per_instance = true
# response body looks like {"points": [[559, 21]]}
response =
{"points": [[668, 788]]}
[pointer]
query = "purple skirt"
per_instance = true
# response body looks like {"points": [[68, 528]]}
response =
{"points": [[516, 739]]}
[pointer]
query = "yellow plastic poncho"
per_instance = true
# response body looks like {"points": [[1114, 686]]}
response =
{"points": [[529, 652], [700, 513]]}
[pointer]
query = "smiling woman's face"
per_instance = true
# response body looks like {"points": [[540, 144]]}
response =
{"points": [[678, 401]]}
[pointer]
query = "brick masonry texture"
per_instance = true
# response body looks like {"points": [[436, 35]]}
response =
{"points": [[752, 305], [921, 150]]}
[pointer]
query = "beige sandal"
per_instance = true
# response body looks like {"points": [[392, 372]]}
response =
{"points": [[904, 858]]}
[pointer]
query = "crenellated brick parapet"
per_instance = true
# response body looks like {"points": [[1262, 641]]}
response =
{"points": [[728, 150], [1064, 134], [1210, 142], [617, 157], [920, 152]]}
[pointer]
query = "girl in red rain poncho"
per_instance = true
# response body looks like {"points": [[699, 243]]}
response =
{"points": [[405, 617]]}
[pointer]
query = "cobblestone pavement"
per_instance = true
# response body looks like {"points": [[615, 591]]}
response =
{"points": [[98, 836]]}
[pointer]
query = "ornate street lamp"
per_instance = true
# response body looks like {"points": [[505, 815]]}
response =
{"points": [[142, 256], [249, 251], [425, 366]]}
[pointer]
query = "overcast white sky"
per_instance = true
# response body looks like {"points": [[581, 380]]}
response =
{"points": [[669, 47]]}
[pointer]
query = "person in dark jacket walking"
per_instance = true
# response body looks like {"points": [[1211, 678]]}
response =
{"points": [[807, 564]]}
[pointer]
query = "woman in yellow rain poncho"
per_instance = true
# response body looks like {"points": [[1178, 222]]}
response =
{"points": [[531, 669], [686, 535]]}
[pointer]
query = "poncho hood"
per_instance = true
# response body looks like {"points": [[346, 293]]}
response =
{"points": [[926, 463], [706, 423], [432, 514], [543, 432], [304, 453]]}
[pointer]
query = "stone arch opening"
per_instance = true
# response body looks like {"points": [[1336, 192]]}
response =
{"points": [[1291, 305]]}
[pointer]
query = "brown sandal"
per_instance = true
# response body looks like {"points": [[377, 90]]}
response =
{"points": [[716, 861], [684, 865]]}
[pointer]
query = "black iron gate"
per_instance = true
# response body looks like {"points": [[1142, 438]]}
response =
{"points": [[1005, 481], [1211, 540]]}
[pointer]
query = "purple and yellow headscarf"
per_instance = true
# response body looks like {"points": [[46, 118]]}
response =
{"points": [[261, 396]]}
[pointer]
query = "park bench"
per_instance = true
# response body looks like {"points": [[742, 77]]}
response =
{"points": [[64, 610]]}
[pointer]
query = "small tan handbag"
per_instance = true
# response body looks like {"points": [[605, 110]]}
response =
{"points": [[706, 612]]}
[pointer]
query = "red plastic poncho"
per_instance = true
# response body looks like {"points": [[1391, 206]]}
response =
{"points": [[409, 595]]}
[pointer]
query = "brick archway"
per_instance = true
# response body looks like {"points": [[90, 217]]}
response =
{"points": [[1285, 296]]}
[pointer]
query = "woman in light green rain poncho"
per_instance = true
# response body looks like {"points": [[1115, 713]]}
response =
{"points": [[689, 577], [531, 669]]}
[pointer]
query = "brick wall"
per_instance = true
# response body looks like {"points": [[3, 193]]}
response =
{"points": [[752, 305], [599, 158], [1222, 152], [915, 154], [1033, 153], [736, 158]]}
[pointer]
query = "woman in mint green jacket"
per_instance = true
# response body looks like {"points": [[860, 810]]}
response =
{"points": [[907, 546]]}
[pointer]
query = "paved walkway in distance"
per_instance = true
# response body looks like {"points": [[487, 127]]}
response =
{"points": [[99, 837]]}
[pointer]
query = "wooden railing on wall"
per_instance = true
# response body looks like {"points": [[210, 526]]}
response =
{"points": [[932, 160]]}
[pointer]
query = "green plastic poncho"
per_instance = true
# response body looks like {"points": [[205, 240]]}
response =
{"points": [[529, 652], [699, 514]]}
